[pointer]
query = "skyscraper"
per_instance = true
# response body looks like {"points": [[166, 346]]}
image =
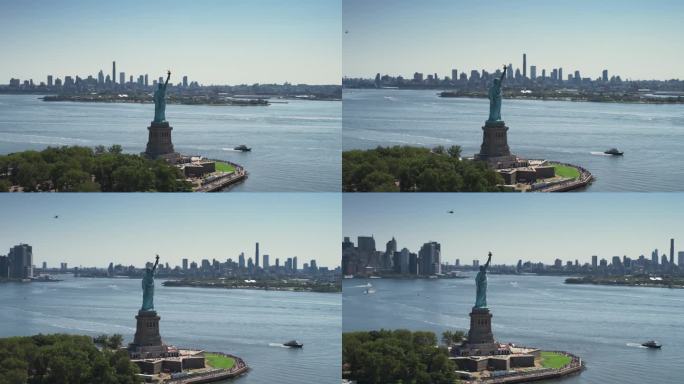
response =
{"points": [[185, 81], [265, 262], [454, 75], [671, 252], [256, 255], [594, 261], [294, 263], [100, 78], [241, 260], [113, 71], [533, 72], [560, 75], [680, 258], [146, 82], [429, 259], [20, 259], [605, 76], [49, 81], [122, 78], [524, 71], [185, 264]]}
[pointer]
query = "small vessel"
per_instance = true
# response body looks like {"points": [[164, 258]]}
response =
{"points": [[652, 344], [614, 152], [293, 344], [242, 148]]}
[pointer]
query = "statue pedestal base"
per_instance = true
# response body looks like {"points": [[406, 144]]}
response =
{"points": [[480, 337], [159, 141], [494, 148], [147, 342]]}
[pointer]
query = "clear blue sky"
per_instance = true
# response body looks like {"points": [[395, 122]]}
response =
{"points": [[212, 41], [537, 227], [95, 229], [635, 39]]}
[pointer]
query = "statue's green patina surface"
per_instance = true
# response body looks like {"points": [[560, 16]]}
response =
{"points": [[481, 281], [148, 287], [160, 101], [495, 98]]}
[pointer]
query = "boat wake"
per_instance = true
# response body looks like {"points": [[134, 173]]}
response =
{"points": [[635, 345], [600, 154], [277, 345]]}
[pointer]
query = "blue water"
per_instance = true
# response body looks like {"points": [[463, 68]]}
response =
{"points": [[248, 323], [604, 325], [652, 136], [295, 146]]}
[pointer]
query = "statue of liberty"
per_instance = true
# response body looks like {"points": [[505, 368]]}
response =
{"points": [[160, 101], [495, 98], [148, 287], [481, 281]]}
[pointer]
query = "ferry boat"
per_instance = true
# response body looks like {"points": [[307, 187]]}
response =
{"points": [[293, 344], [242, 148], [652, 344], [614, 152]]}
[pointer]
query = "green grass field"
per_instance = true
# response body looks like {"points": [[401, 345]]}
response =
{"points": [[554, 360], [565, 171], [224, 167], [219, 361]]}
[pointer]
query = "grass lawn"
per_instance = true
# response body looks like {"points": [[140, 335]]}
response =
{"points": [[554, 360], [219, 361], [565, 171], [224, 167]]}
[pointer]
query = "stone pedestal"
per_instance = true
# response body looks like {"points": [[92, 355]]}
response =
{"points": [[147, 342], [480, 327], [159, 141], [494, 148]]}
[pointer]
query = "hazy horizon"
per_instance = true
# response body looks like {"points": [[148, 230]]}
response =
{"points": [[531, 227], [635, 40], [95, 229], [212, 42]]}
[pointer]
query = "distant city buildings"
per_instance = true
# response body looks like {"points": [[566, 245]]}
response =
{"points": [[523, 78], [18, 264], [363, 259]]}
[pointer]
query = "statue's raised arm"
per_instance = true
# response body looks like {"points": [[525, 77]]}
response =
{"points": [[156, 262], [489, 259], [503, 75], [168, 76]]}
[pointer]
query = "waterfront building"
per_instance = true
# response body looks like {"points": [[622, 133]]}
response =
{"points": [[4, 267], [680, 258], [20, 260], [390, 250], [429, 258]]}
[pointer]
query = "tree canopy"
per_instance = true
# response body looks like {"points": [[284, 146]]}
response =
{"points": [[398, 356], [63, 359], [415, 169], [83, 169]]}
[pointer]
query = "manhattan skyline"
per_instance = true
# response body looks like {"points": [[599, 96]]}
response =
{"points": [[96, 229], [399, 37], [216, 42], [518, 226]]}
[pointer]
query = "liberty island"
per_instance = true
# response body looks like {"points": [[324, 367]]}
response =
{"points": [[170, 364], [518, 173]]}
